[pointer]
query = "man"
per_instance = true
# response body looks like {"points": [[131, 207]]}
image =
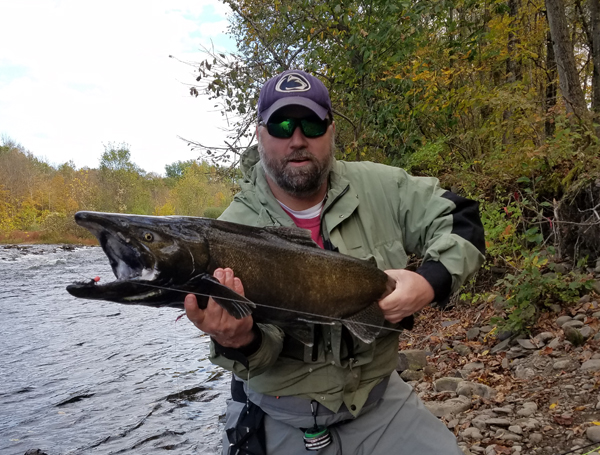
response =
{"points": [[341, 395]]}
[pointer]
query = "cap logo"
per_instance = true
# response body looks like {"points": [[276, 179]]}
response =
{"points": [[293, 82]]}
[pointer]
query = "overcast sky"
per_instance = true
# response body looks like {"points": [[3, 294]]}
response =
{"points": [[76, 75]]}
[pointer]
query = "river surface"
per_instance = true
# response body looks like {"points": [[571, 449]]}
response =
{"points": [[82, 376]]}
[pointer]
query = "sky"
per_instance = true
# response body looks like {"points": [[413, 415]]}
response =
{"points": [[79, 75]]}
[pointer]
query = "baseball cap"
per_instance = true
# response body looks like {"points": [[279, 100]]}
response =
{"points": [[293, 87]]}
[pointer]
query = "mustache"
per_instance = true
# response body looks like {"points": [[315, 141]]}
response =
{"points": [[299, 155]]}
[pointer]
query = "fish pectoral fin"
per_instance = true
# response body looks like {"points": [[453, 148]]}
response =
{"points": [[366, 324], [235, 304]]}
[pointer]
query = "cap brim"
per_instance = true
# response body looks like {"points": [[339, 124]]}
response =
{"points": [[319, 110]]}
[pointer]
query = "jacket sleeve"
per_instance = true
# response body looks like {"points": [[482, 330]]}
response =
{"points": [[256, 357], [444, 229]]}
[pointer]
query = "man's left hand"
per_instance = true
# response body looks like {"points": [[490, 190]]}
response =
{"points": [[412, 293]]}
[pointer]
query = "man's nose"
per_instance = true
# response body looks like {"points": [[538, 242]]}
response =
{"points": [[298, 139]]}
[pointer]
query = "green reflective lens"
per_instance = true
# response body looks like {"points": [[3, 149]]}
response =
{"points": [[310, 127]]}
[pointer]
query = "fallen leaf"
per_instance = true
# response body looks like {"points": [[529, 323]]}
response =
{"points": [[595, 422], [580, 408], [564, 420], [553, 405]]}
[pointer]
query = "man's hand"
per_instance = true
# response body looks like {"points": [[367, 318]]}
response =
{"points": [[218, 323], [412, 293]]}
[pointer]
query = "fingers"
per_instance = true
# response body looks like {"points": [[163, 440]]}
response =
{"points": [[412, 293]]}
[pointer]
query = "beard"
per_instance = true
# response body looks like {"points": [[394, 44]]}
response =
{"points": [[298, 181]]}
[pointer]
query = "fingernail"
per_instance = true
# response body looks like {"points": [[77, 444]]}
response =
{"points": [[219, 274]]}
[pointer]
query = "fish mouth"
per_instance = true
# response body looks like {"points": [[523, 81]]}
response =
{"points": [[131, 264]]}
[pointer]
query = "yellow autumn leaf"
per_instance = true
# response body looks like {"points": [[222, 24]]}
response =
{"points": [[486, 352], [553, 405], [595, 422]]}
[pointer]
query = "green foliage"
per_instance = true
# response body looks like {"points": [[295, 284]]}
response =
{"points": [[213, 212], [525, 293]]}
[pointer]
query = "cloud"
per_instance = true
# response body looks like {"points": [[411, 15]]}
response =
{"points": [[77, 75]]}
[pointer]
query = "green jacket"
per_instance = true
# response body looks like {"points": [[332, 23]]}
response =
{"points": [[371, 211]]}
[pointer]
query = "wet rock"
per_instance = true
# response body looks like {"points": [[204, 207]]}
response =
{"points": [[447, 384], [593, 434], [453, 406], [573, 335], [473, 333], [468, 389], [412, 359], [561, 320], [591, 365]]}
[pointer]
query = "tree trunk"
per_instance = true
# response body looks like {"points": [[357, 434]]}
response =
{"points": [[550, 100], [595, 25], [565, 59]]}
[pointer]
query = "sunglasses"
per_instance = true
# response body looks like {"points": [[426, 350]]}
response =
{"points": [[311, 127]]}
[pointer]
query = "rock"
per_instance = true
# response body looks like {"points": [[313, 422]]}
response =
{"points": [[522, 372], [462, 350], [507, 436], [555, 343], [579, 317], [447, 384], [453, 406], [572, 323], [567, 364], [596, 315], [528, 423], [429, 370], [472, 433], [505, 363], [527, 344], [412, 375], [503, 410], [593, 434], [516, 429], [544, 337], [473, 333], [498, 422], [502, 346], [412, 359], [561, 320], [529, 408], [555, 308], [468, 389], [35, 452], [535, 438], [486, 329], [591, 365], [573, 335], [561, 268], [469, 367], [585, 299], [586, 331], [450, 323], [596, 286]]}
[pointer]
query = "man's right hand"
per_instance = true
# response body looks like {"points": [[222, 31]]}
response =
{"points": [[218, 323]]}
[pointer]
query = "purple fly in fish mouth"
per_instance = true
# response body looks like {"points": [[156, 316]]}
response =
{"points": [[158, 259]]}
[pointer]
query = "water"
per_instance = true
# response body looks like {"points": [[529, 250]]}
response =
{"points": [[82, 376]]}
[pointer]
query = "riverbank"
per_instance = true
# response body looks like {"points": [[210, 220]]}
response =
{"points": [[43, 238]]}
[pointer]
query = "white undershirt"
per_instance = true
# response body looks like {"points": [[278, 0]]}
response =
{"points": [[307, 214]]}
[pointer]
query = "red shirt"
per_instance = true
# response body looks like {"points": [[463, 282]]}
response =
{"points": [[312, 224]]}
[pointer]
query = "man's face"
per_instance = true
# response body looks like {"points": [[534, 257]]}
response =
{"points": [[298, 165]]}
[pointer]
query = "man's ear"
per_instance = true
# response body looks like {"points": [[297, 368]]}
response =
{"points": [[333, 125]]}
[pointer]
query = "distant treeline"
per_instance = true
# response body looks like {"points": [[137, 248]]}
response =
{"points": [[35, 196]]}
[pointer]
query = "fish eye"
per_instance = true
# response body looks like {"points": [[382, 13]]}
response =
{"points": [[148, 237]]}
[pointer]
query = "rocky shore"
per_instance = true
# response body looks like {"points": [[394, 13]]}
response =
{"points": [[504, 394]]}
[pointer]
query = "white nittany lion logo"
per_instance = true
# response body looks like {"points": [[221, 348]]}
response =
{"points": [[293, 82]]}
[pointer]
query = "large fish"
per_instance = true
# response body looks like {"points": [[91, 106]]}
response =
{"points": [[288, 280]]}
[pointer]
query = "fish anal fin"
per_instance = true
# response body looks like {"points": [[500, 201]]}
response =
{"points": [[366, 324]]}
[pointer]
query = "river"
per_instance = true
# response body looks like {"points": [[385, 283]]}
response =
{"points": [[83, 376]]}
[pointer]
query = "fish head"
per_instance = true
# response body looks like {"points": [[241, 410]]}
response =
{"points": [[145, 254]]}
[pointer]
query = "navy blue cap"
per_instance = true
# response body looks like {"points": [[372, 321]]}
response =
{"points": [[293, 87]]}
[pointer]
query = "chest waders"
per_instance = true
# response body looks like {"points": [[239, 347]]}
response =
{"points": [[248, 435]]}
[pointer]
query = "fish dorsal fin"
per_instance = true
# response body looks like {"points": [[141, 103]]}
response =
{"points": [[366, 324], [292, 234]]}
